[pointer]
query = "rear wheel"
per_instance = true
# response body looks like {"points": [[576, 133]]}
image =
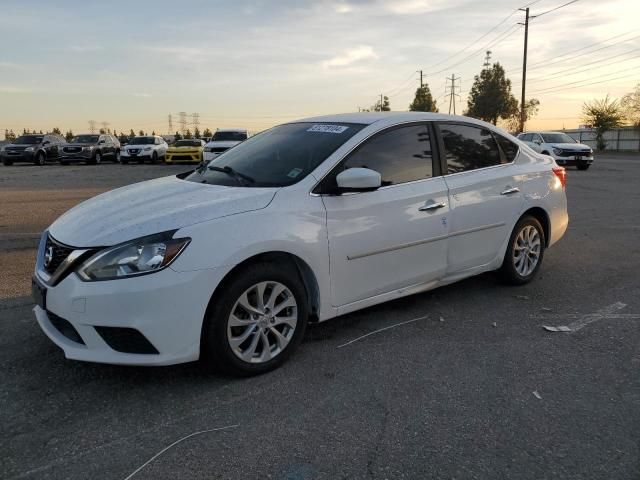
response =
{"points": [[524, 253], [258, 320], [41, 159], [116, 156]]}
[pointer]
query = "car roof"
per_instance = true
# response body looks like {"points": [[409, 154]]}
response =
{"points": [[369, 118], [243, 130]]}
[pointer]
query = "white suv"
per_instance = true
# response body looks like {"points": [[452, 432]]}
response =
{"points": [[563, 148], [223, 140], [151, 147]]}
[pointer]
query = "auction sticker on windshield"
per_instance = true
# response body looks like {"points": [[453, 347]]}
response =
{"points": [[327, 128]]}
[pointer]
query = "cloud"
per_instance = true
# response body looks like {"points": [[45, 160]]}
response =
{"points": [[351, 56], [409, 7]]}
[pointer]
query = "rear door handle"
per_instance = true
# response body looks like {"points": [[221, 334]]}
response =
{"points": [[509, 191], [432, 206]]}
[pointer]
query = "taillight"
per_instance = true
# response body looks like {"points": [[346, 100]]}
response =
{"points": [[561, 173]]}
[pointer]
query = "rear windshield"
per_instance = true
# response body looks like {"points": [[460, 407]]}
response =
{"points": [[229, 136], [85, 139], [277, 157], [142, 141], [29, 139], [188, 143]]}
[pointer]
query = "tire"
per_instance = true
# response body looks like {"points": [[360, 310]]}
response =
{"points": [[522, 245], [41, 159], [7, 163], [583, 166], [116, 157], [252, 330], [154, 158]]}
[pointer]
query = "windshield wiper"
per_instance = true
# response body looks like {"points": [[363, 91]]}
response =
{"points": [[241, 178]]}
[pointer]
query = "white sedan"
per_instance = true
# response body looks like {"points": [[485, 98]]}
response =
{"points": [[304, 222]]}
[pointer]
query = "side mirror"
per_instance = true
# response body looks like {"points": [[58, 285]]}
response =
{"points": [[358, 180], [537, 142], [101, 142], [46, 142]]}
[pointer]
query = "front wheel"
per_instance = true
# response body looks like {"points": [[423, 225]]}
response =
{"points": [[41, 159], [116, 156], [257, 320], [524, 252], [7, 163]]}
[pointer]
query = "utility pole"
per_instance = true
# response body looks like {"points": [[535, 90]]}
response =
{"points": [[380, 102], [170, 132], [92, 126], [487, 60], [523, 113], [195, 121], [421, 82], [453, 93]]}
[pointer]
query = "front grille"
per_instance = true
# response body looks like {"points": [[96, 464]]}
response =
{"points": [[219, 149], [65, 328], [181, 157], [571, 153], [133, 150], [54, 254], [72, 149], [126, 340]]}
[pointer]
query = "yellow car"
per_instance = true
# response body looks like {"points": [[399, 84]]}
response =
{"points": [[187, 151]]}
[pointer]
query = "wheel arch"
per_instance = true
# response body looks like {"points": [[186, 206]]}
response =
{"points": [[308, 277], [542, 216]]}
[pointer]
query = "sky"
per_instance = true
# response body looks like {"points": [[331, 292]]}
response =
{"points": [[258, 63]]}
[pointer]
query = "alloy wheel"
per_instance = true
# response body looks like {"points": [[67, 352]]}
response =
{"points": [[526, 250], [262, 322]]}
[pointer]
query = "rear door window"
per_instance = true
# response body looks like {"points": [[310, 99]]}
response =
{"points": [[468, 147]]}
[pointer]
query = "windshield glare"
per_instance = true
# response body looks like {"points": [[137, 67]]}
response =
{"points": [[188, 143], [278, 157], [29, 139], [557, 138], [85, 139], [142, 141], [229, 136]]}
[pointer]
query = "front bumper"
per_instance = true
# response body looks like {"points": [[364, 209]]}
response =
{"points": [[175, 157], [167, 308], [17, 157], [128, 156], [573, 160], [79, 157]]}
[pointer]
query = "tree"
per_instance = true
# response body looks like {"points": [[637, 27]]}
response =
{"points": [[630, 104], [68, 136], [102, 131], [188, 134], [56, 131], [9, 135], [207, 133], [423, 101], [132, 133], [178, 136], [40, 132], [531, 107], [490, 97], [141, 133], [385, 107], [602, 115], [153, 132], [196, 133]]}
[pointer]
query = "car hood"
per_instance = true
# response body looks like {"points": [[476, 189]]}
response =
{"points": [[223, 143], [79, 145], [185, 148], [133, 145], [152, 207], [570, 146]]}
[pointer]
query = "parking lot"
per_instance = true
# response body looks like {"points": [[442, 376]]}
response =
{"points": [[467, 383]]}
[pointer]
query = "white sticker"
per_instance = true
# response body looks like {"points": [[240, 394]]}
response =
{"points": [[327, 128], [294, 173]]}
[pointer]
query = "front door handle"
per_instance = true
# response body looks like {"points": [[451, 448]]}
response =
{"points": [[432, 206], [509, 191]]}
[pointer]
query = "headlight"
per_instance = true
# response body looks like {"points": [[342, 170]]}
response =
{"points": [[86, 149], [137, 257], [208, 149], [557, 151], [146, 149], [28, 149]]}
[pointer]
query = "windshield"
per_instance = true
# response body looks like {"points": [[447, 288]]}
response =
{"points": [[85, 139], [557, 138], [142, 141], [29, 139], [229, 136], [278, 157], [188, 143]]}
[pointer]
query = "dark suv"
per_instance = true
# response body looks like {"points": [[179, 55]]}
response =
{"points": [[91, 148], [32, 148]]}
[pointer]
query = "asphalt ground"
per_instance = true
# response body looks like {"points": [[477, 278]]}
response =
{"points": [[475, 388]]}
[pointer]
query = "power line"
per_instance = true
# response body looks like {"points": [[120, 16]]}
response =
{"points": [[585, 80], [553, 9]]}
